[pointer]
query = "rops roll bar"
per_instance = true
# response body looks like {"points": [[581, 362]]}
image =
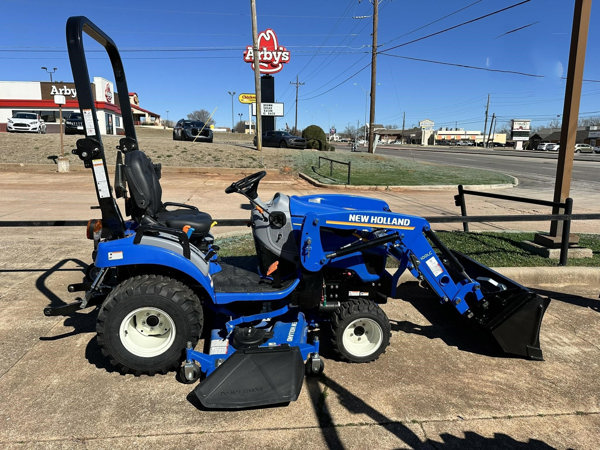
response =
{"points": [[90, 150]]}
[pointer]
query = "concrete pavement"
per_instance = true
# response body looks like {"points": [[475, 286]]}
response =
{"points": [[435, 387]]}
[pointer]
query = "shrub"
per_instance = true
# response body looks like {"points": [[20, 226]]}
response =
{"points": [[316, 139]]}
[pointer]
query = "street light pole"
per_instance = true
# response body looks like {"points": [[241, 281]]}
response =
{"points": [[241, 114], [232, 93], [47, 71]]}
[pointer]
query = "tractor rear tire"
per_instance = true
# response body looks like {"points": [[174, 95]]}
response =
{"points": [[360, 331], [145, 322]]}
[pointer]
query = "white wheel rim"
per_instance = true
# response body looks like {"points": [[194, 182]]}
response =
{"points": [[147, 332], [362, 337]]}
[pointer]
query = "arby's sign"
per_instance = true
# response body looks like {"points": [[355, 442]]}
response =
{"points": [[271, 55]]}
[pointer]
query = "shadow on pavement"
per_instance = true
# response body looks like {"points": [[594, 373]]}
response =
{"points": [[572, 299], [356, 405], [40, 283], [81, 322], [446, 324]]}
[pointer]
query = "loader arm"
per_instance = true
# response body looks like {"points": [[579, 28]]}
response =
{"points": [[402, 236], [509, 311]]}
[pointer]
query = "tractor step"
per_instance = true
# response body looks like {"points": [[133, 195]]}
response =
{"points": [[78, 287], [63, 310], [254, 377]]}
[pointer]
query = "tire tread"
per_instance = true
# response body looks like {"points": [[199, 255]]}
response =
{"points": [[151, 284]]}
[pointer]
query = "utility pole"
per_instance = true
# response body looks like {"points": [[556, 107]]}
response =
{"points": [[255, 50], [492, 125], [486, 117], [373, 73], [297, 84], [490, 132], [403, 120]]}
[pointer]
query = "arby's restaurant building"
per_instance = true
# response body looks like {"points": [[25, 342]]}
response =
{"points": [[38, 97]]}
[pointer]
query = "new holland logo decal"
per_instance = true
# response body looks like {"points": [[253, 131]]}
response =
{"points": [[397, 223]]}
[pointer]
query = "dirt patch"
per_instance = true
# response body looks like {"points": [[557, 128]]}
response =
{"points": [[227, 150]]}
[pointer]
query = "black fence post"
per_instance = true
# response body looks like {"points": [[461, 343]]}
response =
{"points": [[566, 231], [349, 167], [459, 200], [330, 168]]}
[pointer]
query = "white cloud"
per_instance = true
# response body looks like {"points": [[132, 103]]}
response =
{"points": [[559, 69]]}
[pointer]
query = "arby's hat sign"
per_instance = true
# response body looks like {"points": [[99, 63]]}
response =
{"points": [[271, 55]]}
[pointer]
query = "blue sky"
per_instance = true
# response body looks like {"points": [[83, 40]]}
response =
{"points": [[185, 55]]}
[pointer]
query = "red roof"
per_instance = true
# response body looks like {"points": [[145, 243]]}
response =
{"points": [[144, 110]]}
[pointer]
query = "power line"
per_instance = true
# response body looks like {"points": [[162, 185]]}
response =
{"points": [[517, 29], [432, 22], [465, 66], [337, 77], [457, 26], [297, 84], [340, 83]]}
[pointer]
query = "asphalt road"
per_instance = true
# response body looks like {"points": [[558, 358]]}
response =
{"points": [[535, 170]]}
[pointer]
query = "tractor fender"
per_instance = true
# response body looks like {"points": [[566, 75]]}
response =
{"points": [[155, 250]]}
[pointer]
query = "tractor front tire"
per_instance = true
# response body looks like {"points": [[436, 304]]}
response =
{"points": [[360, 331], [145, 322]]}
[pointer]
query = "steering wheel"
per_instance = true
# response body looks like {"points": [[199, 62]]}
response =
{"points": [[247, 186]]}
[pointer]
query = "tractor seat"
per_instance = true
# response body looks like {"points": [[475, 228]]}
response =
{"points": [[145, 204], [179, 218]]}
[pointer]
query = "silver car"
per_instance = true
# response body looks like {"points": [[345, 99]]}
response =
{"points": [[583, 148]]}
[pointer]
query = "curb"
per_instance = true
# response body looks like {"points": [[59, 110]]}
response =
{"points": [[432, 187]]}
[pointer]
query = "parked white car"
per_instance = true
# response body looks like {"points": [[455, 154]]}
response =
{"points": [[27, 122], [552, 147], [543, 146]]}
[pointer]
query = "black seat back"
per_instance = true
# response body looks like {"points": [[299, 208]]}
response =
{"points": [[144, 186]]}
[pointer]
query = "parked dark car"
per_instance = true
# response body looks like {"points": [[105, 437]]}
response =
{"points": [[281, 139], [190, 130], [74, 124]]}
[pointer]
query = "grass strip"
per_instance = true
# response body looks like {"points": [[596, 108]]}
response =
{"points": [[492, 249]]}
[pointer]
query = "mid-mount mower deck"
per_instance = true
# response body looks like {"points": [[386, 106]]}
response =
{"points": [[159, 284]]}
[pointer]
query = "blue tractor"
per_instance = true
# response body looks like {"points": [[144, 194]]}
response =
{"points": [[320, 270]]}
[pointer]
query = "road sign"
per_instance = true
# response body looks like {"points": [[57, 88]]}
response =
{"points": [[269, 109], [247, 98]]}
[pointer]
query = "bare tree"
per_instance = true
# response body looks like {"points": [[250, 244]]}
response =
{"points": [[349, 131], [589, 121], [555, 123], [506, 128], [240, 127], [201, 115]]}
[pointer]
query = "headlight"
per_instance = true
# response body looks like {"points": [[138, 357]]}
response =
{"points": [[10, 121]]}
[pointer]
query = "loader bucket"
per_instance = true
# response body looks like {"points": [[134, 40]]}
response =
{"points": [[510, 312]]}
